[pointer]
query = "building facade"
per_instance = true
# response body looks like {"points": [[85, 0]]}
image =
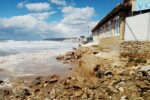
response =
{"points": [[114, 23]]}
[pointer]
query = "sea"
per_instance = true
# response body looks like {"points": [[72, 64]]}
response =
{"points": [[33, 58], [12, 47]]}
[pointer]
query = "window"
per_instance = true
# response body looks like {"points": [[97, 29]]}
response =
{"points": [[117, 25], [109, 27]]}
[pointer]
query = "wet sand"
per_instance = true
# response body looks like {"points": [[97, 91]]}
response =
{"points": [[43, 63]]}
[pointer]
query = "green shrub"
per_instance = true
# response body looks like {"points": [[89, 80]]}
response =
{"points": [[131, 60], [141, 60]]}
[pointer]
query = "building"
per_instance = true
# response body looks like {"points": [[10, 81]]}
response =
{"points": [[116, 22]]}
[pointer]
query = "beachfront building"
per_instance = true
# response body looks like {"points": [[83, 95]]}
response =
{"points": [[129, 20]]}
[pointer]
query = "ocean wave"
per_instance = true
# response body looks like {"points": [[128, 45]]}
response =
{"points": [[14, 47]]}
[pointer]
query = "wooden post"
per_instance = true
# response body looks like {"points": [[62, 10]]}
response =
{"points": [[122, 27]]}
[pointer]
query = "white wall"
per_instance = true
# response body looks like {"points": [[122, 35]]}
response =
{"points": [[139, 25], [95, 38]]}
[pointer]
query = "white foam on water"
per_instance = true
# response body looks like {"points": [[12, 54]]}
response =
{"points": [[32, 57]]}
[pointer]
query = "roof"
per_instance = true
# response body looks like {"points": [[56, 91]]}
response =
{"points": [[115, 11]]}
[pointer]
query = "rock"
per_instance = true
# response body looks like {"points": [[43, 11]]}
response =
{"points": [[36, 90], [144, 68], [95, 52], [60, 58], [52, 81], [106, 73], [23, 94], [121, 89], [37, 81], [99, 74], [75, 87], [124, 98], [96, 68], [5, 92], [46, 98], [70, 68], [1, 81], [85, 96], [112, 90], [78, 93], [69, 53], [53, 93], [66, 82]]}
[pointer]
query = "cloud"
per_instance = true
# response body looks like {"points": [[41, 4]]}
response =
{"points": [[21, 5], [36, 7], [42, 16], [59, 2], [74, 23], [25, 27]]}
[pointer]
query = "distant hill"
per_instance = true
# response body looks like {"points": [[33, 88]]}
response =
{"points": [[59, 39]]}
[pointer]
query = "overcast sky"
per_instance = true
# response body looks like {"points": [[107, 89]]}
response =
{"points": [[38, 19]]}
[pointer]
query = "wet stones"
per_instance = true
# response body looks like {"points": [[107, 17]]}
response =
{"points": [[106, 73], [37, 90], [112, 90], [37, 81], [23, 94], [74, 55], [96, 68], [124, 98], [1, 81], [100, 74], [53, 79], [145, 70], [5, 92]]}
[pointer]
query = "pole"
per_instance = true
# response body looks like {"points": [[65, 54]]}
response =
{"points": [[148, 28], [88, 30], [131, 31]]}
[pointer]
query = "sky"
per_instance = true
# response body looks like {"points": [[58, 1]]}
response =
{"points": [[40, 19]]}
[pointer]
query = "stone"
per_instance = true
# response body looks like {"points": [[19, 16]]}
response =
{"points": [[36, 90], [84, 96], [23, 94], [45, 84], [99, 74], [106, 73], [96, 68], [78, 93], [1, 81], [75, 87], [124, 98], [121, 89], [46, 98], [37, 81], [112, 90], [5, 92], [144, 68], [52, 81]]}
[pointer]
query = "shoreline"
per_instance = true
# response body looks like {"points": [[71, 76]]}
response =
{"points": [[93, 77]]}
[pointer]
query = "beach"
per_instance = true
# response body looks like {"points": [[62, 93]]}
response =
{"points": [[90, 76], [32, 58]]}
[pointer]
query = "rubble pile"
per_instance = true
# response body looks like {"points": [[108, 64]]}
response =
{"points": [[74, 55], [131, 84], [135, 49]]}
